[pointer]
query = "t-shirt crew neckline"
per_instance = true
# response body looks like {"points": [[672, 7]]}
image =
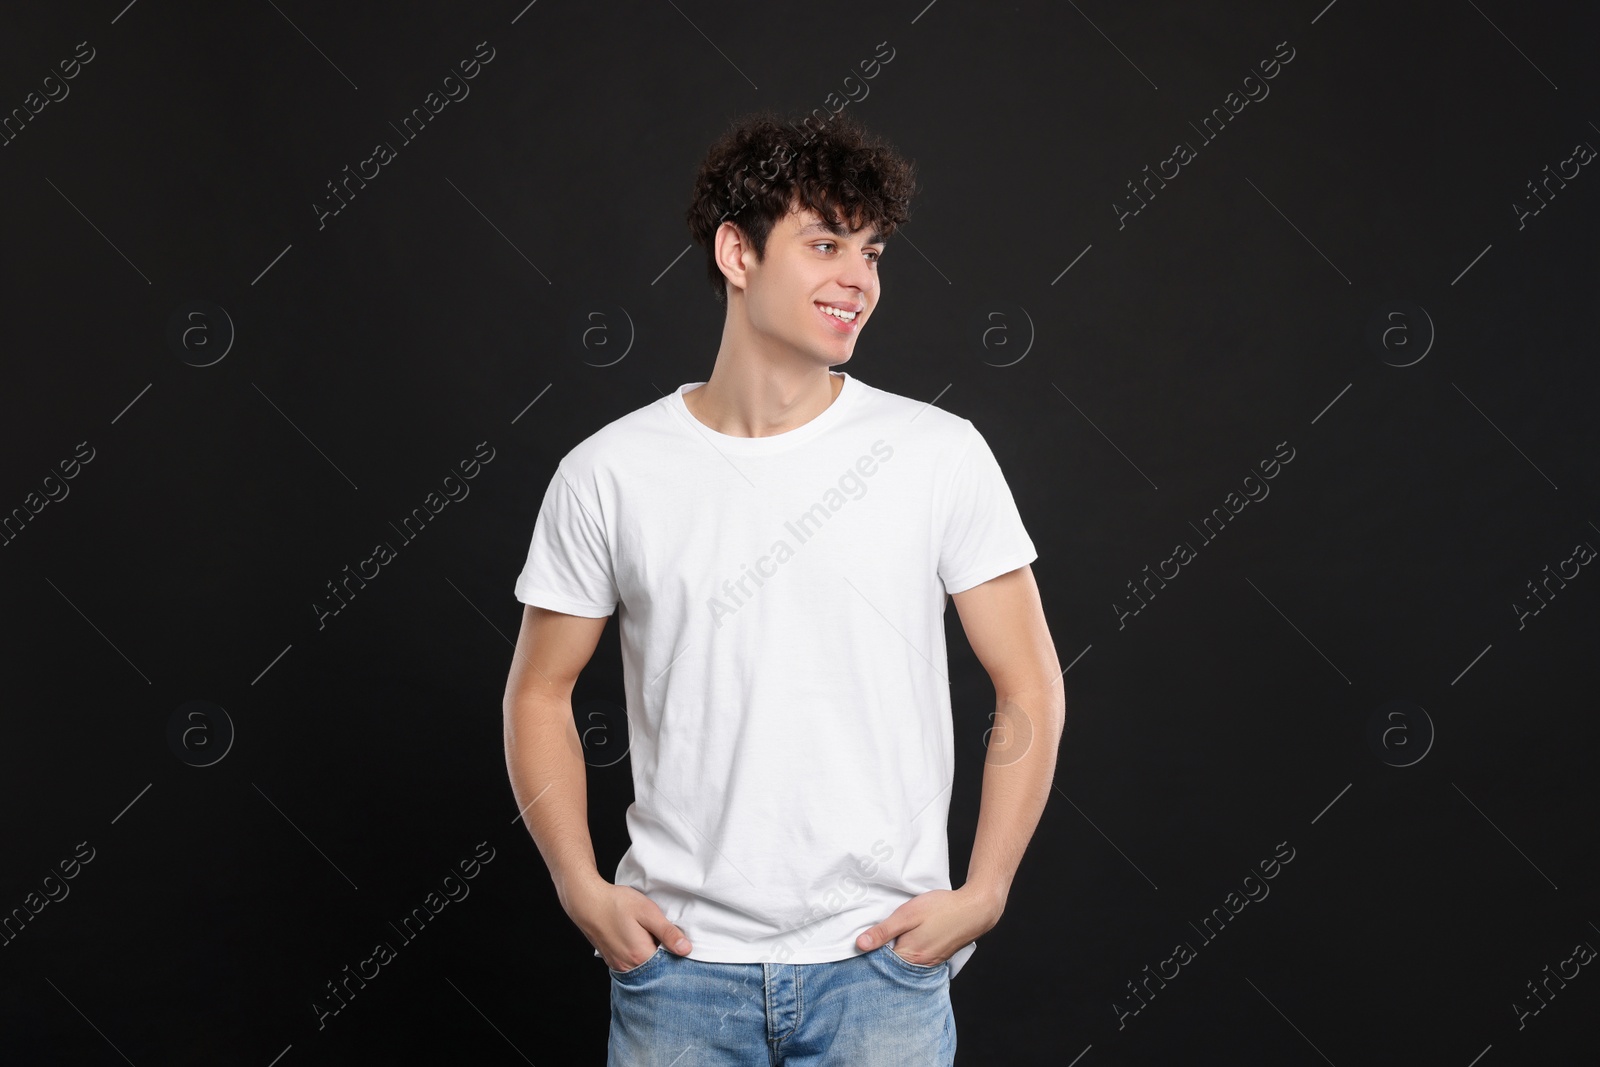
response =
{"points": [[778, 442]]}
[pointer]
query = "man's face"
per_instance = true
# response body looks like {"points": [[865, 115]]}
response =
{"points": [[809, 264]]}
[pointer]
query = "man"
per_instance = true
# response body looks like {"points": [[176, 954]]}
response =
{"points": [[781, 540]]}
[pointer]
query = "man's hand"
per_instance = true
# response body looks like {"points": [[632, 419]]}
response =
{"points": [[932, 926], [622, 923]]}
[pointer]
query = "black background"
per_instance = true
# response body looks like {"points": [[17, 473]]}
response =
{"points": [[372, 354]]}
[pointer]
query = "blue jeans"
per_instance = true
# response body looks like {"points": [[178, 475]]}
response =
{"points": [[871, 1010]]}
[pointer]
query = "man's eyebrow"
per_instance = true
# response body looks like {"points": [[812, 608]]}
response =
{"points": [[875, 238]]}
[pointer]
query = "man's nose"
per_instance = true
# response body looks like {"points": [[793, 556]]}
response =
{"points": [[857, 274]]}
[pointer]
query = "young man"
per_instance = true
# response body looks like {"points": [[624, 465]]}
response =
{"points": [[781, 540]]}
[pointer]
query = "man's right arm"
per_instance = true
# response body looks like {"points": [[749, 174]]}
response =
{"points": [[544, 758]]}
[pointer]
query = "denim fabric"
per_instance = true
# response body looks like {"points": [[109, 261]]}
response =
{"points": [[871, 1010]]}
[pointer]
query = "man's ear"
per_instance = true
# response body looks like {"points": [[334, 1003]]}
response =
{"points": [[732, 252]]}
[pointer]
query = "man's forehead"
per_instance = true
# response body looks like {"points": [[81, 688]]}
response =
{"points": [[813, 223]]}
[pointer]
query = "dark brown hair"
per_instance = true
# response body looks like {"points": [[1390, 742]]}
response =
{"points": [[763, 166]]}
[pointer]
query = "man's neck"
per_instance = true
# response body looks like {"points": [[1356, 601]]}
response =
{"points": [[746, 399]]}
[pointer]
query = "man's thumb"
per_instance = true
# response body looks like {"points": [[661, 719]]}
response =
{"points": [[877, 935], [672, 937]]}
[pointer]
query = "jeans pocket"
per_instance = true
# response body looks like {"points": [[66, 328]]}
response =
{"points": [[915, 968], [631, 971]]}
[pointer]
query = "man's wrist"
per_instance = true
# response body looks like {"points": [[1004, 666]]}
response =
{"points": [[571, 884], [990, 891]]}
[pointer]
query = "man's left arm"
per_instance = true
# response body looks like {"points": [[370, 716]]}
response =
{"points": [[1005, 625]]}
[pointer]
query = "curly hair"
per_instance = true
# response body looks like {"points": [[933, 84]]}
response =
{"points": [[763, 166]]}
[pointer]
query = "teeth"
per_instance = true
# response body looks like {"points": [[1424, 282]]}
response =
{"points": [[848, 316]]}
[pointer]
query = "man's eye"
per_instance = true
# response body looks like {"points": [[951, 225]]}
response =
{"points": [[829, 244]]}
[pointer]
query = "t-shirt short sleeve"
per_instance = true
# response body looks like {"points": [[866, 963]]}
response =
{"points": [[569, 564], [983, 532]]}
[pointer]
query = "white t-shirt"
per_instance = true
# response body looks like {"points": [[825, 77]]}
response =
{"points": [[783, 654]]}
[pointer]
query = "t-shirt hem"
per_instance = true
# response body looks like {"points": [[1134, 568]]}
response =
{"points": [[741, 954], [1005, 565], [956, 961], [540, 598]]}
